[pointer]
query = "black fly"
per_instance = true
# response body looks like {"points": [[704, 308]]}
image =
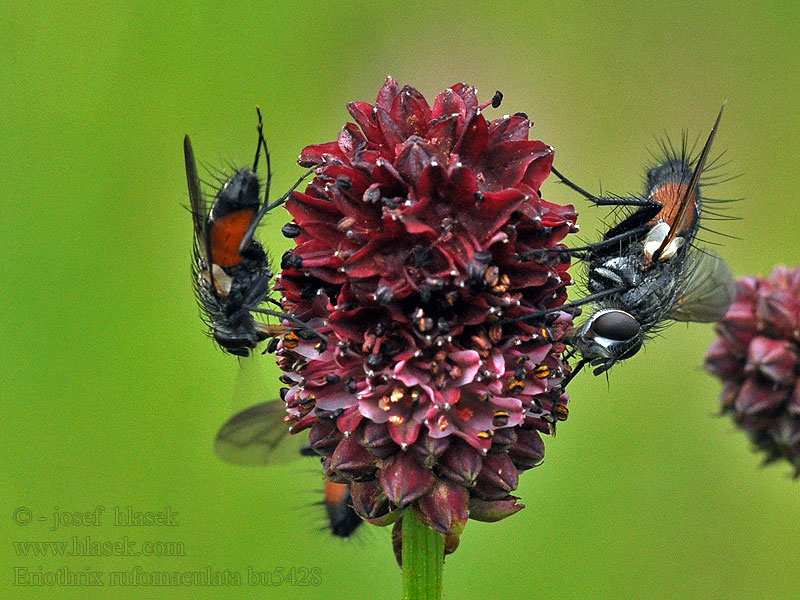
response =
{"points": [[230, 268], [647, 270], [230, 283]]}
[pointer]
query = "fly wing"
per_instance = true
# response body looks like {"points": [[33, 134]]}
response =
{"points": [[257, 436], [709, 289], [197, 205]]}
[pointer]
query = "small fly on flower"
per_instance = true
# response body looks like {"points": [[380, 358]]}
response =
{"points": [[230, 269], [647, 269], [259, 436]]}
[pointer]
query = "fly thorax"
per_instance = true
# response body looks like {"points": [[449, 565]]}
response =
{"points": [[620, 271]]}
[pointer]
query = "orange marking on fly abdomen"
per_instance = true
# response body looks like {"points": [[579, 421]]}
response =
{"points": [[226, 235], [670, 195], [334, 492]]}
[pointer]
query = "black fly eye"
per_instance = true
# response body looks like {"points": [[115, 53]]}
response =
{"points": [[621, 329], [616, 325]]}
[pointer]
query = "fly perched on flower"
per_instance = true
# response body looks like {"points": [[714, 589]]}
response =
{"points": [[230, 269], [647, 269], [231, 282]]}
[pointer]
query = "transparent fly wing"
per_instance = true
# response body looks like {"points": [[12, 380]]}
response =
{"points": [[709, 289], [257, 435], [197, 204]]}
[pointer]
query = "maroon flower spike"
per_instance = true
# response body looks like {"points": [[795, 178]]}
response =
{"points": [[756, 356], [411, 259]]}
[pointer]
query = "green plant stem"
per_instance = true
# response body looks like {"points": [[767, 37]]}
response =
{"points": [[423, 559]]}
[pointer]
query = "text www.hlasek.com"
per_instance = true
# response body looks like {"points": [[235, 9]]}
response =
{"points": [[89, 546]]}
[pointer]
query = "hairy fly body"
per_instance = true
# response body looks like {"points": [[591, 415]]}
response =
{"points": [[647, 270], [230, 269]]}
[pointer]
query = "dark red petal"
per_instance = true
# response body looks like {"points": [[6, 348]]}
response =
{"points": [[777, 313], [397, 540], [351, 460], [755, 397], [528, 451], [324, 437], [320, 153], [377, 441], [350, 138], [538, 171], [503, 439], [415, 157], [444, 508], [443, 133], [495, 209], [430, 449], [449, 103], [509, 129], [308, 208], [490, 511], [326, 233], [387, 94], [787, 278], [722, 361], [461, 464], [512, 163], [775, 360], [469, 96], [349, 420], [379, 256], [729, 393], [369, 501], [317, 254], [411, 112], [497, 478], [463, 183], [474, 141], [364, 115], [404, 479], [391, 130], [405, 433]]}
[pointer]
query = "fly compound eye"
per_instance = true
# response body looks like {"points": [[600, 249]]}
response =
{"points": [[618, 332], [616, 325]]}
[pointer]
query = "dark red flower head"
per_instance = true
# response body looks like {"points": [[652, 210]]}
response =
{"points": [[756, 356], [411, 246]]}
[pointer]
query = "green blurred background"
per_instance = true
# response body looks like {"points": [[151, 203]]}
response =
{"points": [[112, 395]]}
